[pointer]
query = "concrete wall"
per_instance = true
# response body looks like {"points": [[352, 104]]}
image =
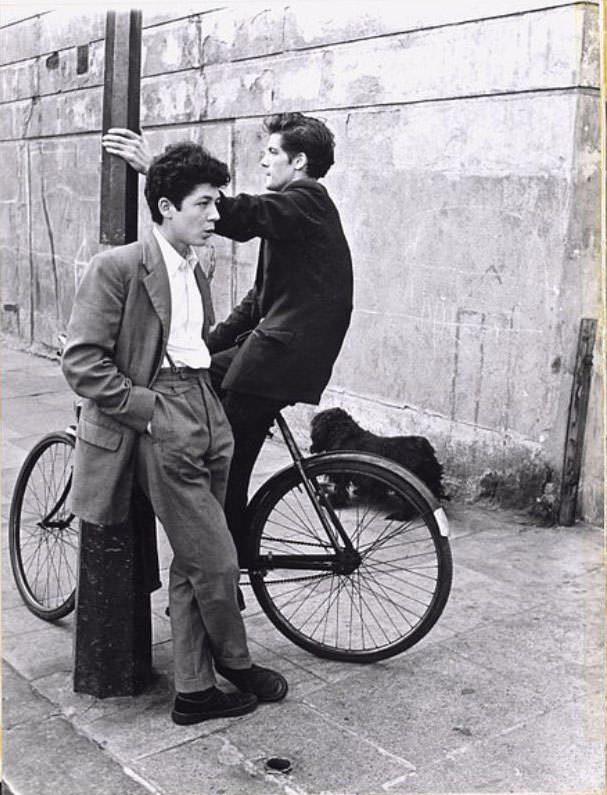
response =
{"points": [[467, 177]]}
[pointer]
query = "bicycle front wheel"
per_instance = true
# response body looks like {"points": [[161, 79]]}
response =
{"points": [[390, 591], [43, 533]]}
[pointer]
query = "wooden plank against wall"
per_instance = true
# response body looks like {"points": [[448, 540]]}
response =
{"points": [[121, 92], [576, 424]]}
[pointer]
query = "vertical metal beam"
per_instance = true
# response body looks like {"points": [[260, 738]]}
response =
{"points": [[576, 424], [117, 569], [118, 222]]}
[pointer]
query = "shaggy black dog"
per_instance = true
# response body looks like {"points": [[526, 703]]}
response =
{"points": [[334, 429]]}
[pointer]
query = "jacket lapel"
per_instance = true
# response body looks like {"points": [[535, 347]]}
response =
{"points": [[156, 282]]}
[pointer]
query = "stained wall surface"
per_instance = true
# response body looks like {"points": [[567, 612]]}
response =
{"points": [[467, 177]]}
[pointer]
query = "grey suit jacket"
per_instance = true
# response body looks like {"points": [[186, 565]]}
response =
{"points": [[116, 341]]}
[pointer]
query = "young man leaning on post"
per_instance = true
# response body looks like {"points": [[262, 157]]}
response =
{"points": [[279, 344], [136, 351]]}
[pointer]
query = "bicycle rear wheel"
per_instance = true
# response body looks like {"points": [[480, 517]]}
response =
{"points": [[43, 533], [388, 596]]}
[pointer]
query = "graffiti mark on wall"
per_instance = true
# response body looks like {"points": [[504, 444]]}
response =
{"points": [[467, 378], [49, 229], [81, 260]]}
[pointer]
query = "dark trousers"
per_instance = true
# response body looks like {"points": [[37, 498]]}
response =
{"points": [[250, 417]]}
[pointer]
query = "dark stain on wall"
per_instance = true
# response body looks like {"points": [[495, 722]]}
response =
{"points": [[82, 59], [52, 61]]}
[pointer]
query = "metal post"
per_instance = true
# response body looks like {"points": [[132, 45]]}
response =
{"points": [[118, 563], [121, 91]]}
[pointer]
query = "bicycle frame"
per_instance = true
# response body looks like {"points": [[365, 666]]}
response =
{"points": [[346, 558]]}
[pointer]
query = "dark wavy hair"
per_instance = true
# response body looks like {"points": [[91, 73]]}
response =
{"points": [[176, 172], [305, 134]]}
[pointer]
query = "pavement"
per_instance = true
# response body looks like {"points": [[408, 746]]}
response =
{"points": [[505, 694]]}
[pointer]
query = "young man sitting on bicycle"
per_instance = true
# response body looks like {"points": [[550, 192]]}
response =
{"points": [[136, 351], [278, 346]]}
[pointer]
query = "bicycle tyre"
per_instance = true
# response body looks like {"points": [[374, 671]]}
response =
{"points": [[387, 604], [43, 533]]}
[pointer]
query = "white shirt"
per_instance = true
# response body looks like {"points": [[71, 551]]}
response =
{"points": [[185, 344]]}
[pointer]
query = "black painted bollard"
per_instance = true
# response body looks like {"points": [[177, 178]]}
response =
{"points": [[118, 570]]}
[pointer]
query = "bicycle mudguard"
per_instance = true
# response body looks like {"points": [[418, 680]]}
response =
{"points": [[371, 458], [437, 509]]}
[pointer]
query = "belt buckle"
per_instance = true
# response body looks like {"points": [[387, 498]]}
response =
{"points": [[178, 371]]}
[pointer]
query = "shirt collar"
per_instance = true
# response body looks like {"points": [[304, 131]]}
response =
{"points": [[172, 258]]}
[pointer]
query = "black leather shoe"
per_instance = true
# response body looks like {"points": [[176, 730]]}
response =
{"points": [[212, 703], [266, 684]]}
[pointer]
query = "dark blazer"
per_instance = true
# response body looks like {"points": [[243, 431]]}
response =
{"points": [[299, 309], [116, 341]]}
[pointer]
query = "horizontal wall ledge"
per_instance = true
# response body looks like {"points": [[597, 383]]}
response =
{"points": [[553, 48]]}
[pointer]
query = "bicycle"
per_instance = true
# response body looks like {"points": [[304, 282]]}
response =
{"points": [[43, 533], [350, 552]]}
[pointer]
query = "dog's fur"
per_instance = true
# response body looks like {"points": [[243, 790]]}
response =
{"points": [[334, 429]]}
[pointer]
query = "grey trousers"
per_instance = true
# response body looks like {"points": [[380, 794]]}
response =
{"points": [[182, 466]]}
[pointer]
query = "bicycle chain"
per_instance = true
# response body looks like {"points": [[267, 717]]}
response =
{"points": [[299, 544], [296, 579], [300, 579]]}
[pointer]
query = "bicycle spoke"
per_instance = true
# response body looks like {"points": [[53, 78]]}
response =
{"points": [[290, 525], [376, 570], [367, 604], [387, 596], [390, 532], [374, 601], [310, 520], [44, 544], [306, 599]]}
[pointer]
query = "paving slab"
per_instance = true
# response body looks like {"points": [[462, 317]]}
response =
{"points": [[434, 687], [505, 557], [45, 755], [18, 620], [478, 599], [42, 652], [46, 417], [143, 728], [537, 641], [24, 382], [531, 758], [8, 434], [551, 762], [325, 756], [13, 456], [23, 707]]}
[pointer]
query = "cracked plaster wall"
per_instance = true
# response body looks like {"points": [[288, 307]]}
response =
{"points": [[467, 176]]}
